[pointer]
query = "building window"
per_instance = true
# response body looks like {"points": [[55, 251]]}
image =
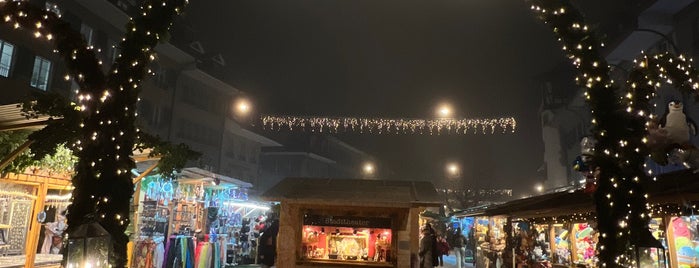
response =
{"points": [[52, 7], [6, 52], [113, 50], [74, 89], [40, 74], [86, 31]]}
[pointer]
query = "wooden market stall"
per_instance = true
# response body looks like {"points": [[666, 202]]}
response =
{"points": [[559, 227], [23, 198], [349, 222]]}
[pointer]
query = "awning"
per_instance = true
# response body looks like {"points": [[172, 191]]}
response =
{"points": [[194, 175], [671, 188], [11, 118]]}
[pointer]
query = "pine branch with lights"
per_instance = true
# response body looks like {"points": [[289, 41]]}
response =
{"points": [[389, 126], [620, 199], [103, 186]]}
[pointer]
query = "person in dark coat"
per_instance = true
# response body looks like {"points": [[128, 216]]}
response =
{"points": [[268, 245], [426, 246]]}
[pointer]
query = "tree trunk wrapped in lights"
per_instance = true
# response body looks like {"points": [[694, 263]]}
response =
{"points": [[107, 104], [620, 200], [621, 127]]}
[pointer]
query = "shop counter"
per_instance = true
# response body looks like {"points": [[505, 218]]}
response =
{"points": [[343, 263], [42, 260]]}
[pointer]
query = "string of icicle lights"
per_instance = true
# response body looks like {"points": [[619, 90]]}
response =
{"points": [[389, 126]]}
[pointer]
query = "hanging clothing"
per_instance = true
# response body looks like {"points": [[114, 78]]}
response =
{"points": [[216, 256], [52, 229], [158, 255], [143, 254]]}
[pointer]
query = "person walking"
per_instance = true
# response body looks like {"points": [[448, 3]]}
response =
{"points": [[443, 249], [458, 241], [268, 245], [426, 248]]}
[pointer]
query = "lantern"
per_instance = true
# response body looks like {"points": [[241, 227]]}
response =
{"points": [[650, 253], [88, 247]]}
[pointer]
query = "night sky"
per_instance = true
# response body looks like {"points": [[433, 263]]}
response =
{"points": [[394, 58]]}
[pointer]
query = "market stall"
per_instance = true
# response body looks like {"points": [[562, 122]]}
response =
{"points": [[24, 201], [566, 219], [490, 239], [208, 211], [344, 222]]}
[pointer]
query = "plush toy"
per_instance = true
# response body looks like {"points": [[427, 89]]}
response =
{"points": [[680, 228], [657, 139], [677, 125], [587, 148], [688, 158]]}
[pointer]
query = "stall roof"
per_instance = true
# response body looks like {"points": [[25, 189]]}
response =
{"points": [[675, 187], [355, 192], [193, 173], [11, 118]]}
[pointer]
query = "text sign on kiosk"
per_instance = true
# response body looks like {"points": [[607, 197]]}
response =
{"points": [[345, 221]]}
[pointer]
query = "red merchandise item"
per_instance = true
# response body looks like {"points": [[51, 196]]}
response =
{"points": [[443, 246]]}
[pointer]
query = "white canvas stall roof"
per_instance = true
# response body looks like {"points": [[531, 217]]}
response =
{"points": [[11, 118], [355, 192], [193, 174]]}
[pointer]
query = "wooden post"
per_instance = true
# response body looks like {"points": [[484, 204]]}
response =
{"points": [[8, 159], [145, 173], [34, 226]]}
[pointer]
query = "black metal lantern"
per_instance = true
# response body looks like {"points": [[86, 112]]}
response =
{"points": [[650, 253], [88, 247]]}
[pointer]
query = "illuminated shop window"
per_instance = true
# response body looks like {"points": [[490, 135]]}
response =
{"points": [[360, 240]]}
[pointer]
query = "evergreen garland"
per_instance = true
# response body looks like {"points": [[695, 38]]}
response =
{"points": [[107, 104]]}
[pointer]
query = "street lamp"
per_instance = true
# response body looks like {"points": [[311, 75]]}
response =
{"points": [[453, 169], [368, 168], [242, 107], [539, 188], [444, 111]]}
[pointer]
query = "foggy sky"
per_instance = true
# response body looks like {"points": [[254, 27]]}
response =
{"points": [[395, 58]]}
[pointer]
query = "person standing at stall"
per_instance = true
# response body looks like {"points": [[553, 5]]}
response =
{"points": [[268, 245]]}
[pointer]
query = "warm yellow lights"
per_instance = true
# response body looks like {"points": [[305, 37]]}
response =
{"points": [[390, 126]]}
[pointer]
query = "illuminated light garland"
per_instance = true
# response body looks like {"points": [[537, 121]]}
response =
{"points": [[389, 126]]}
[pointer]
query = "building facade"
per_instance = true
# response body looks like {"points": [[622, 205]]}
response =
{"points": [[180, 103], [316, 156]]}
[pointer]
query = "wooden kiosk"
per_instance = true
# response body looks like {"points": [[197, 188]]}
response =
{"points": [[349, 222]]}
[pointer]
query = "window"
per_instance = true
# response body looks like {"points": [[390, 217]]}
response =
{"points": [[113, 50], [40, 74], [52, 7], [74, 89], [346, 239], [6, 51], [86, 31]]}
